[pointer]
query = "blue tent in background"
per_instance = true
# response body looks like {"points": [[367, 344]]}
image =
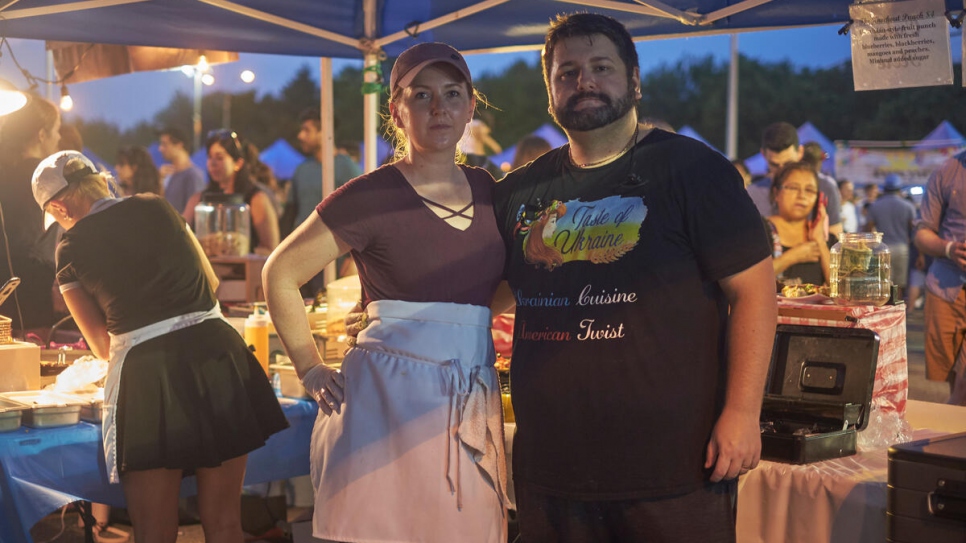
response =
{"points": [[944, 135], [282, 158], [200, 159], [686, 130], [807, 132], [547, 131], [98, 161], [383, 152], [155, 151]]}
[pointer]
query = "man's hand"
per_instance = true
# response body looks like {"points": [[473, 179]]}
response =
{"points": [[805, 252], [326, 385], [957, 253], [735, 445]]}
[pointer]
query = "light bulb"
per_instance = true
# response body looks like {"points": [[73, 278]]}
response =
{"points": [[208, 79], [66, 102], [202, 64], [248, 76], [11, 99]]}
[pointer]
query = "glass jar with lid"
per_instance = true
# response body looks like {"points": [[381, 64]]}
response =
{"points": [[223, 224], [860, 269]]}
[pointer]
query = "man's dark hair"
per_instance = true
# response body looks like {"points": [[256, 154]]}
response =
{"points": [[311, 114], [175, 135], [779, 136], [587, 24], [814, 155]]}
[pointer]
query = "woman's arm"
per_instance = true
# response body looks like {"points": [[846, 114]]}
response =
{"points": [[265, 221], [297, 259], [189, 209], [90, 320]]}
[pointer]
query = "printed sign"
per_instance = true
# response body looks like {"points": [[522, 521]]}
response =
{"points": [[869, 162], [900, 44]]}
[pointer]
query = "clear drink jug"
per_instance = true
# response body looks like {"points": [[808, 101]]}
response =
{"points": [[222, 225], [860, 269]]}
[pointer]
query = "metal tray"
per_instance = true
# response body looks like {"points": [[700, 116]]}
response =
{"points": [[10, 414], [46, 409]]}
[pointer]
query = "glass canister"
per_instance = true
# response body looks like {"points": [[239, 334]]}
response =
{"points": [[223, 225], [860, 269]]}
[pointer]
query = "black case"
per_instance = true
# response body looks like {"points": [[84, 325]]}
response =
{"points": [[820, 380], [927, 491]]}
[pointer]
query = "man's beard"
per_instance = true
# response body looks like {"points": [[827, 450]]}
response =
{"points": [[592, 118]]}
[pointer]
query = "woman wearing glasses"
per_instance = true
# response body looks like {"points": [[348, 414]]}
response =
{"points": [[229, 173], [799, 231], [183, 393], [409, 444]]}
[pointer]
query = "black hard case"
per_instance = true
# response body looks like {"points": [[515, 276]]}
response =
{"points": [[927, 491], [820, 378]]}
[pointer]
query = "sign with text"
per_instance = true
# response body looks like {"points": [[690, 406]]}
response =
{"points": [[870, 162], [900, 44]]}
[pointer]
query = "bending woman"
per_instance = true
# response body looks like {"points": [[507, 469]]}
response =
{"points": [[183, 394], [799, 231], [409, 444]]}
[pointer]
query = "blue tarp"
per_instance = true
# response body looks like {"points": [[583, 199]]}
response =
{"points": [[282, 158], [155, 153], [514, 23]]}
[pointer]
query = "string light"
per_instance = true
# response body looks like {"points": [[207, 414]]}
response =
{"points": [[66, 102], [248, 76], [11, 99]]}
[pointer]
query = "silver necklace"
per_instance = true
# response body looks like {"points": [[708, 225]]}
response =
{"points": [[606, 160]]}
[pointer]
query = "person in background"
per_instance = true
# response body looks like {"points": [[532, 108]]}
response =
{"points": [[942, 235], [529, 148], [27, 136], [850, 216], [477, 144], [136, 172], [409, 444], [180, 178], [870, 193], [743, 171], [895, 217], [780, 146], [799, 239], [658, 317], [184, 393], [228, 173], [262, 175]]}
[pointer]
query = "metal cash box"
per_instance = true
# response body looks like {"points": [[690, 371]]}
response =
{"points": [[818, 392], [927, 491]]}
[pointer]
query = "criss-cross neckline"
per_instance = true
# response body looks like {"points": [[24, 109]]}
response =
{"points": [[453, 213]]}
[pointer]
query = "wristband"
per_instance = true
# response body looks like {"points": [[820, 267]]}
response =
{"points": [[949, 245]]}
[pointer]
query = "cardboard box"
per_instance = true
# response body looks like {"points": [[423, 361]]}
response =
{"points": [[19, 366]]}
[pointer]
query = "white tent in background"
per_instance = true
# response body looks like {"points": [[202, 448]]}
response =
{"points": [[686, 130], [944, 135]]}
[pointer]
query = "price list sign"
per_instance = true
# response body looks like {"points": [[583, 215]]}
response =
{"points": [[900, 44]]}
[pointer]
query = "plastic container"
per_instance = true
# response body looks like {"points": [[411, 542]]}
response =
{"points": [[223, 225], [288, 381], [341, 296], [860, 267], [256, 335]]}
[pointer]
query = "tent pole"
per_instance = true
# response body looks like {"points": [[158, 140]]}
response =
{"points": [[731, 136], [370, 113], [326, 107]]}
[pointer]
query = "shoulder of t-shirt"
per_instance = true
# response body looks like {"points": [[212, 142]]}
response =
{"points": [[476, 174]]}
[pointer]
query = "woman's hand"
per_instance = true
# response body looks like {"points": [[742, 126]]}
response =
{"points": [[326, 385], [805, 252]]}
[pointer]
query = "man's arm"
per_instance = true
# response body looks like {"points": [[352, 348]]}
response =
{"points": [[735, 445]]}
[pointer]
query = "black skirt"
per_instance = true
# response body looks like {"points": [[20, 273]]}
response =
{"points": [[193, 398]]}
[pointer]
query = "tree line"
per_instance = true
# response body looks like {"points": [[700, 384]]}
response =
{"points": [[689, 92]]}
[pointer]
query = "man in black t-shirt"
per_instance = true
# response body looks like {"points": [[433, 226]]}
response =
{"points": [[645, 313]]}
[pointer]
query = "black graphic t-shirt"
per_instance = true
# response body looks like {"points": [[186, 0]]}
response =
{"points": [[618, 367]]}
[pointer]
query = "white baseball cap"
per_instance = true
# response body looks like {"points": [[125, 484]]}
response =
{"points": [[49, 179]]}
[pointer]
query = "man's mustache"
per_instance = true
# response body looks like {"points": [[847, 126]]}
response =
{"points": [[572, 102]]}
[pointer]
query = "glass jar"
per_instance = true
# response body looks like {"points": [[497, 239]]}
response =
{"points": [[223, 224], [860, 268]]}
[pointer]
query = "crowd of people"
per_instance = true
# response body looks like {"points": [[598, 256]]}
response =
{"points": [[642, 266]]}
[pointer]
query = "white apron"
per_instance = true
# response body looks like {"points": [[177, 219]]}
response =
{"points": [[417, 452], [121, 344]]}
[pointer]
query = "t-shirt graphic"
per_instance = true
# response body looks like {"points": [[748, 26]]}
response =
{"points": [[601, 231]]}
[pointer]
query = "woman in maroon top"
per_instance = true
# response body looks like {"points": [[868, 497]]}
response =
{"points": [[409, 445]]}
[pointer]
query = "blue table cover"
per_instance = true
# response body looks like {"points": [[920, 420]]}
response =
{"points": [[42, 470]]}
